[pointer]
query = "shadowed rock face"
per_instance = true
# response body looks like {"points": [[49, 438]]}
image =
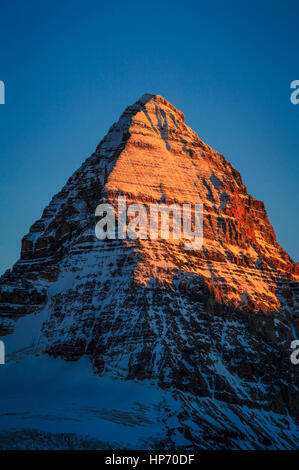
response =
{"points": [[217, 322]]}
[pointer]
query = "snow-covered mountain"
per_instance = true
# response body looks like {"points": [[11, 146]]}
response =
{"points": [[201, 338]]}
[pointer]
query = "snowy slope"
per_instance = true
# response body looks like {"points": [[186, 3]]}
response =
{"points": [[52, 396], [203, 337]]}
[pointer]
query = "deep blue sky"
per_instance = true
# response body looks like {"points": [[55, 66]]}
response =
{"points": [[71, 67]]}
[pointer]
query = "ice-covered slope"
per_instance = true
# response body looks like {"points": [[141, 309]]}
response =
{"points": [[50, 403], [213, 325]]}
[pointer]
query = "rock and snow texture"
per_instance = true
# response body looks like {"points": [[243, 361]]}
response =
{"points": [[211, 327]]}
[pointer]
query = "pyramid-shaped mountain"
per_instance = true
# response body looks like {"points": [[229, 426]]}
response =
{"points": [[210, 329]]}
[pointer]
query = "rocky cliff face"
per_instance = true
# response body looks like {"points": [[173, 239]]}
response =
{"points": [[213, 324]]}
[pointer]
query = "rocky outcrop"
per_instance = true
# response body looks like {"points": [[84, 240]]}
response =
{"points": [[215, 323]]}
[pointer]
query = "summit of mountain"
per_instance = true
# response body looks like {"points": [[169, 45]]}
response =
{"points": [[211, 324]]}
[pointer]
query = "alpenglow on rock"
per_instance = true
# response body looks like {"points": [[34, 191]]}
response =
{"points": [[207, 332]]}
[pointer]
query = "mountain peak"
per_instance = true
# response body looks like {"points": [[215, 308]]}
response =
{"points": [[160, 101], [198, 323]]}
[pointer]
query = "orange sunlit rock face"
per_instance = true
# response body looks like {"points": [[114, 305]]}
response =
{"points": [[164, 161], [215, 322]]}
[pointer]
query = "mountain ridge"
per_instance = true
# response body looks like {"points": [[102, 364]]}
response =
{"points": [[213, 324]]}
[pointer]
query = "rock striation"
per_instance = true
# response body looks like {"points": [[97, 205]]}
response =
{"points": [[211, 324]]}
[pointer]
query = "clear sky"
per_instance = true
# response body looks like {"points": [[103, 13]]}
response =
{"points": [[71, 67]]}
